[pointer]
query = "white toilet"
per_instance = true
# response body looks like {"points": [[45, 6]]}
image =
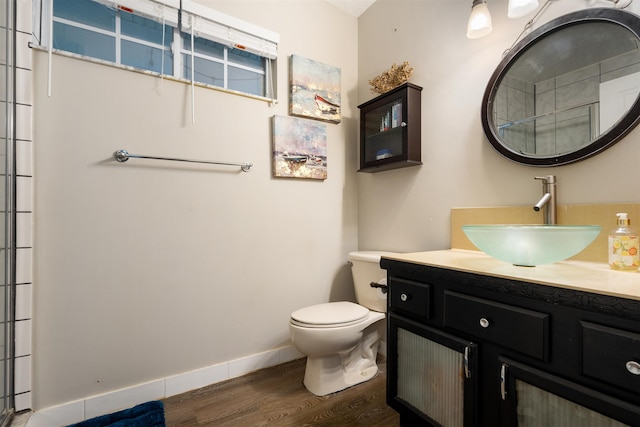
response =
{"points": [[340, 339]]}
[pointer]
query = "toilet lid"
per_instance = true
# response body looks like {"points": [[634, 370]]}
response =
{"points": [[330, 314]]}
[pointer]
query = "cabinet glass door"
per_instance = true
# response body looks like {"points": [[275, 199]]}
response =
{"points": [[534, 398], [435, 374], [383, 131]]}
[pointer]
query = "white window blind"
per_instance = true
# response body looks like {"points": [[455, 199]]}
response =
{"points": [[182, 20], [159, 10], [227, 30], [206, 23]]}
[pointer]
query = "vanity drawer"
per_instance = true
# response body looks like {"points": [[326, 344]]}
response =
{"points": [[513, 327], [409, 296], [611, 355]]}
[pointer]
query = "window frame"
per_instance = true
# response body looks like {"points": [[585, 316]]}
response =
{"points": [[42, 22]]}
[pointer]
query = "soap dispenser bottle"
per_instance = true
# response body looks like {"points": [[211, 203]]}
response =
{"points": [[624, 245]]}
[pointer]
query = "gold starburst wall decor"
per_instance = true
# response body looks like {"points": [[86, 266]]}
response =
{"points": [[393, 77]]}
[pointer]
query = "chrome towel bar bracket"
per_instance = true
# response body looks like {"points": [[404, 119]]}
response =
{"points": [[123, 155]]}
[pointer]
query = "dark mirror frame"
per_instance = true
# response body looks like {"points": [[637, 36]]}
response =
{"points": [[627, 20]]}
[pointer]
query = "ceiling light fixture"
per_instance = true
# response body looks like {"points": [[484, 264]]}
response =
{"points": [[528, 25], [520, 8], [480, 20]]}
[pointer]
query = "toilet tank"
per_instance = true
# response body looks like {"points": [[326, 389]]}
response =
{"points": [[365, 268]]}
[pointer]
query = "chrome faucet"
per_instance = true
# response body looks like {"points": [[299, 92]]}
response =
{"points": [[548, 200]]}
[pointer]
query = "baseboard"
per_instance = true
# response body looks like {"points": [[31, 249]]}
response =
{"points": [[93, 406]]}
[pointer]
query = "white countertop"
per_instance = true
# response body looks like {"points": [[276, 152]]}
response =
{"points": [[582, 276]]}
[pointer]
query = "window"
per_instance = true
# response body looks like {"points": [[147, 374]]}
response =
{"points": [[193, 43], [97, 31], [216, 65]]}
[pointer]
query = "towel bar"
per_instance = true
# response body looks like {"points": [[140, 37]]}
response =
{"points": [[124, 155]]}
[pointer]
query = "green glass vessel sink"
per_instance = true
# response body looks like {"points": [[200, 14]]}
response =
{"points": [[531, 245]]}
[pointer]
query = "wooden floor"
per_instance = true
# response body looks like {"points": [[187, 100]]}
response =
{"points": [[276, 397]]}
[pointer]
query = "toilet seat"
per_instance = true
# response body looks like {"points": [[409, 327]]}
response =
{"points": [[329, 315]]}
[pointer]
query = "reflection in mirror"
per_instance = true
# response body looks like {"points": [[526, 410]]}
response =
{"points": [[568, 90]]}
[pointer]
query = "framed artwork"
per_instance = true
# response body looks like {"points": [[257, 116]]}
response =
{"points": [[299, 148], [315, 90]]}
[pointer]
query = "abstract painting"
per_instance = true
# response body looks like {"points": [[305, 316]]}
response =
{"points": [[299, 148], [315, 90]]}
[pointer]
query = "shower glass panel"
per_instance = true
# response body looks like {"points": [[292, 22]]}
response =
{"points": [[7, 213]]}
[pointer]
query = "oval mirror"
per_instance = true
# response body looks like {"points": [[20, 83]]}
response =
{"points": [[566, 91]]}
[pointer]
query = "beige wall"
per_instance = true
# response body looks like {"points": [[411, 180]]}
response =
{"points": [[148, 269], [408, 209]]}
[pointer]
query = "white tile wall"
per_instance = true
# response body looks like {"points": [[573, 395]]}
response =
{"points": [[23, 338], [24, 206], [24, 15], [23, 374], [23, 265], [24, 59], [24, 229], [23, 86], [24, 165], [24, 196], [23, 301]]}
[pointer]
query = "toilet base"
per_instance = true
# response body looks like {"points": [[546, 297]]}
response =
{"points": [[330, 374]]}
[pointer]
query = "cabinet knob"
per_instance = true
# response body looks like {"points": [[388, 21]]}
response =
{"points": [[484, 322], [633, 367], [404, 297], [403, 124]]}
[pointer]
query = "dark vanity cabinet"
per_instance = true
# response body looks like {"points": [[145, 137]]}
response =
{"points": [[390, 130], [467, 349]]}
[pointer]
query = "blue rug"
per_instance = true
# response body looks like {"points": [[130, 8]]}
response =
{"points": [[150, 414]]}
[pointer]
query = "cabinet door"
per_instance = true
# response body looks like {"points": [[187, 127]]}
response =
{"points": [[533, 398], [390, 130], [431, 374], [384, 130], [612, 355]]}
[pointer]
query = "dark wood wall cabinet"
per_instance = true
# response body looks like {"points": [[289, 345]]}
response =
{"points": [[472, 349], [390, 130]]}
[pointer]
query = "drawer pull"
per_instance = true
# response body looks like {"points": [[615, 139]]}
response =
{"points": [[404, 297], [484, 322], [633, 367], [467, 370], [503, 382]]}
